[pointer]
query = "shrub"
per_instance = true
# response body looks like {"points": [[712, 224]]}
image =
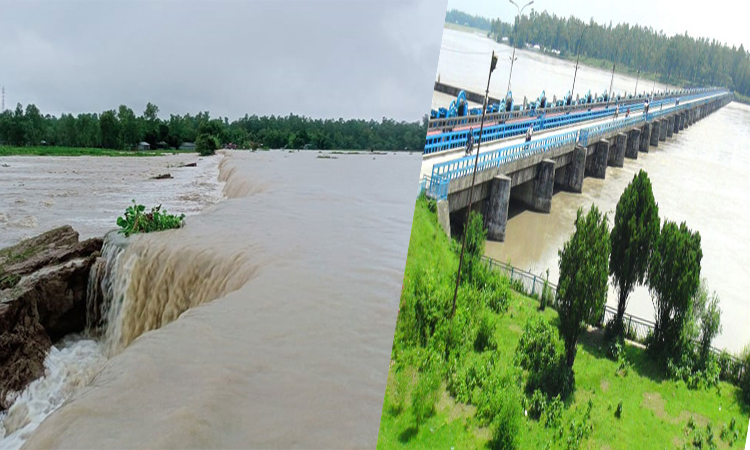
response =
{"points": [[553, 412], [500, 387], [485, 333], [432, 304], [136, 220], [745, 377], [507, 424], [618, 411], [467, 375], [539, 352], [537, 405], [206, 144], [425, 396]]}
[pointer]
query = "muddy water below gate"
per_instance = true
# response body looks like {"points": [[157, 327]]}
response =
{"points": [[296, 353]]}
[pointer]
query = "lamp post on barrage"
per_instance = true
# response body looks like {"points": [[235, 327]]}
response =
{"points": [[493, 64], [515, 33]]}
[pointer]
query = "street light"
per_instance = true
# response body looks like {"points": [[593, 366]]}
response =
{"points": [[578, 58], [612, 81], [493, 64], [515, 33]]}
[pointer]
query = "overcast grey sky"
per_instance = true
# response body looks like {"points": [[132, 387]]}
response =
{"points": [[725, 21], [320, 58]]}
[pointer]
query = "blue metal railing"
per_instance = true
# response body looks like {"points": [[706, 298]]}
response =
{"points": [[451, 140], [436, 185]]}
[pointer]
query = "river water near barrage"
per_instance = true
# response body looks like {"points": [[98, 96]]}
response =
{"points": [[699, 176], [266, 322]]}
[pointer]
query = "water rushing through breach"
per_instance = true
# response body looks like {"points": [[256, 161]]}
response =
{"points": [[266, 322], [699, 176]]}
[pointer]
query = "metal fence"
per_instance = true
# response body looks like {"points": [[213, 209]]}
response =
{"points": [[532, 285]]}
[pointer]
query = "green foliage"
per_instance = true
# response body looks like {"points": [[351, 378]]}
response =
{"points": [[476, 236], [136, 220], [507, 424], [618, 411], [540, 354], [745, 377], [579, 429], [678, 58], [673, 279], [485, 333], [121, 129], [499, 388], [424, 397], [635, 230], [206, 144], [582, 290]]}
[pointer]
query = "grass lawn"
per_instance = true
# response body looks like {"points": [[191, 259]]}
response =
{"points": [[655, 410], [71, 151]]}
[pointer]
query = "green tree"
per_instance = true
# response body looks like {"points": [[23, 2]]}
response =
{"points": [[582, 290], [673, 279], [635, 230], [109, 127], [206, 144], [129, 129]]}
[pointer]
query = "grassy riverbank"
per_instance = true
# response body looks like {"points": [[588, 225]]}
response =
{"points": [[71, 151], [655, 411]]}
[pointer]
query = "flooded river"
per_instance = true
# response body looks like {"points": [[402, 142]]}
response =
{"points": [[266, 322], [698, 176]]}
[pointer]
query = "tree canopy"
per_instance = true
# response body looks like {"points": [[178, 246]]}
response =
{"points": [[123, 129], [673, 279], [634, 233], [582, 290], [677, 59]]}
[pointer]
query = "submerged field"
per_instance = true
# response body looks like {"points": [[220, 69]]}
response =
{"points": [[655, 411], [72, 151]]}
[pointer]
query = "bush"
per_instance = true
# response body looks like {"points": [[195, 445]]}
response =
{"points": [[500, 387], [206, 144], [425, 396], [537, 405], [553, 412], [136, 220], [618, 411], [539, 352], [467, 375], [432, 304], [507, 425], [745, 377], [485, 333]]}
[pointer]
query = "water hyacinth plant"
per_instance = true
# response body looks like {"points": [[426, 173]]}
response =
{"points": [[136, 220]]}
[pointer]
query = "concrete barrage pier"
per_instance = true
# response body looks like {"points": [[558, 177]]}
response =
{"points": [[531, 179]]}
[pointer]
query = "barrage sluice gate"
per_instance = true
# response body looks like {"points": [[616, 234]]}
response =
{"points": [[533, 180]]}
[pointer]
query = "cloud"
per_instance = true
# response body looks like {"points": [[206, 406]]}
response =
{"points": [[330, 58]]}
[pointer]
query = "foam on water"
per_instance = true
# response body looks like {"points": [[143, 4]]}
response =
{"points": [[68, 367]]}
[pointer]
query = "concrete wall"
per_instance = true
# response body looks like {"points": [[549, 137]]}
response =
{"points": [[633, 142]]}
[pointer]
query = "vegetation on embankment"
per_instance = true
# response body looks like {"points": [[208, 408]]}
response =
{"points": [[74, 151], [455, 383]]}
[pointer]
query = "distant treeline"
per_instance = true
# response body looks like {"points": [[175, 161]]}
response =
{"points": [[461, 18], [122, 129], [677, 59]]}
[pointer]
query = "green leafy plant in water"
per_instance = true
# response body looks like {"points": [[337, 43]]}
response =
{"points": [[137, 220]]}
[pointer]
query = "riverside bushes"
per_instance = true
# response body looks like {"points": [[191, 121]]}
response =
{"points": [[540, 353]]}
